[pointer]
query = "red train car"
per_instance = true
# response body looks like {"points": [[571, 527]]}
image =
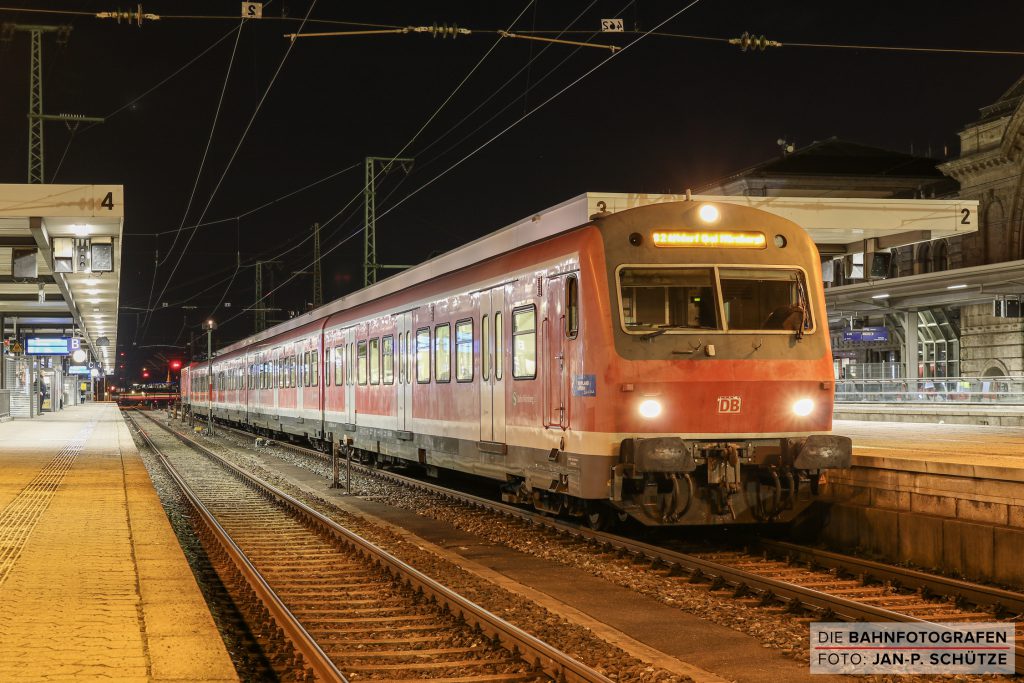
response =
{"points": [[668, 362]]}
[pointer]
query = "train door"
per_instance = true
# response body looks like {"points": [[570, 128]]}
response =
{"points": [[553, 364], [403, 402], [349, 336], [492, 365]]}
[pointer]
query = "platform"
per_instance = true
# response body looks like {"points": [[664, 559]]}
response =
{"points": [[93, 583], [939, 496], [985, 414]]}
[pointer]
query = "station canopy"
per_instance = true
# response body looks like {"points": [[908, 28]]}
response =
{"points": [[837, 225], [60, 262]]}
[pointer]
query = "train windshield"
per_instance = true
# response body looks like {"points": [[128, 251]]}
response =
{"points": [[764, 299], [663, 298], [752, 299]]}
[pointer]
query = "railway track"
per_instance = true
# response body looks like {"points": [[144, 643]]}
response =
{"points": [[831, 586], [334, 605]]}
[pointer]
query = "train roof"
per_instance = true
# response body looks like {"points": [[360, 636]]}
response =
{"points": [[836, 221]]}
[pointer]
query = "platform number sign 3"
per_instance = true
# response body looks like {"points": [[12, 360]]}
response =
{"points": [[252, 10], [729, 404], [612, 26]]}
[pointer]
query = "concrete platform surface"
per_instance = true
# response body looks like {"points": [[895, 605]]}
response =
{"points": [[945, 446], [93, 583]]}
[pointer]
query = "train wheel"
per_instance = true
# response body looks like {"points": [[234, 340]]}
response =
{"points": [[600, 517]]}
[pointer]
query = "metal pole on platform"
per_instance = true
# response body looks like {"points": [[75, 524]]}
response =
{"points": [[348, 469], [210, 327], [334, 464]]}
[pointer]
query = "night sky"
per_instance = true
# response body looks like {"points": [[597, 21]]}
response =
{"points": [[662, 115]]}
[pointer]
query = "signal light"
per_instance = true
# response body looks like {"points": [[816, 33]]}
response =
{"points": [[175, 365]]}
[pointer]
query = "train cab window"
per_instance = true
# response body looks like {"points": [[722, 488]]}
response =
{"points": [[668, 298], [764, 299], [524, 342], [339, 363], [423, 355], [387, 360], [327, 366], [464, 351], [485, 347], [572, 307], [361, 363], [499, 346], [375, 361], [443, 353]]}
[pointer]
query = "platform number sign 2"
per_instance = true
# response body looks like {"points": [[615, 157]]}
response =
{"points": [[729, 404], [612, 26], [252, 10]]}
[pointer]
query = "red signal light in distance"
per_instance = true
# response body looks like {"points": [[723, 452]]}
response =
{"points": [[175, 365]]}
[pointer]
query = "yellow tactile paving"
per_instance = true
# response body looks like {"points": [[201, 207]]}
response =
{"points": [[100, 589]]}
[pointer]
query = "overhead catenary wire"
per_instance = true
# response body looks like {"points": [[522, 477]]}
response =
{"points": [[477, 149], [227, 166]]}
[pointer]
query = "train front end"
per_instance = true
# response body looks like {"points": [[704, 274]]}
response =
{"points": [[720, 351]]}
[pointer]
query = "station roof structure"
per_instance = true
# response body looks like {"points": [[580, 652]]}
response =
{"points": [[837, 226], [959, 287], [77, 223]]}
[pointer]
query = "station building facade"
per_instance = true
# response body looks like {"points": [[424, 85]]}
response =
{"points": [[957, 335]]}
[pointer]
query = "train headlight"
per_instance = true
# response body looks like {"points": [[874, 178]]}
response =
{"points": [[708, 213], [650, 408], [803, 407]]}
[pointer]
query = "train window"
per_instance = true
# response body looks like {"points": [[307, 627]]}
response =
{"points": [[401, 359], [499, 346], [339, 363], [572, 307], [387, 361], [327, 366], [524, 342], [485, 348], [668, 298], [764, 299], [408, 351], [375, 361], [423, 355], [443, 353], [351, 363], [361, 362], [314, 365], [464, 351]]}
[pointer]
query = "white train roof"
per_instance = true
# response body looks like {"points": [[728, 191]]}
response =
{"points": [[837, 222]]}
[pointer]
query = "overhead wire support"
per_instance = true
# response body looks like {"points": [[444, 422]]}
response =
{"points": [[752, 42], [370, 265], [435, 30], [560, 41], [136, 16]]}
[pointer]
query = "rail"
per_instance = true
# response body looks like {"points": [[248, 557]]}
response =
{"points": [[828, 606], [555, 663], [932, 390], [312, 655]]}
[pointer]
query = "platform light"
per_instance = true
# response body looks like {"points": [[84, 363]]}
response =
{"points": [[879, 296], [803, 407], [650, 408], [80, 230], [708, 213], [957, 287]]}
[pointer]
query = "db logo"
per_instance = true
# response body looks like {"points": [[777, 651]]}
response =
{"points": [[728, 404]]}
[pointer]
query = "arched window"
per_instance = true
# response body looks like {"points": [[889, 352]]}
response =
{"points": [[924, 258], [894, 264], [941, 257]]}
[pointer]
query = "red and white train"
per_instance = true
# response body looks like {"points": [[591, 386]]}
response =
{"points": [[668, 362]]}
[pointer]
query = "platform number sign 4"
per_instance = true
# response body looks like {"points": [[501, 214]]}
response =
{"points": [[729, 404], [108, 201], [252, 10], [612, 26]]}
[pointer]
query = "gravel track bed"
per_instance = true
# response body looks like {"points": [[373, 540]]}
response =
{"points": [[773, 626], [574, 640]]}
